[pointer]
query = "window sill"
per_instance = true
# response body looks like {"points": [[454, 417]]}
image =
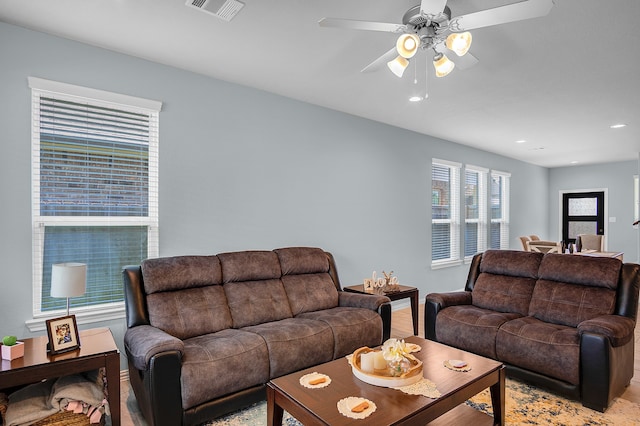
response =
{"points": [[82, 317], [446, 264]]}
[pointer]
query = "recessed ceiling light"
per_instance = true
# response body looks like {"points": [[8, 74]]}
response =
{"points": [[618, 126], [574, 162], [520, 141], [415, 99]]}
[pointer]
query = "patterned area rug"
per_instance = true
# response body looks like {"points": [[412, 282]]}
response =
{"points": [[525, 405]]}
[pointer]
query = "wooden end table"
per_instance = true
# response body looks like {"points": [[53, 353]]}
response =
{"points": [[97, 349], [318, 407], [403, 292]]}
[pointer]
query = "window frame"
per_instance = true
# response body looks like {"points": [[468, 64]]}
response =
{"points": [[41, 87], [482, 231], [504, 178], [454, 216]]}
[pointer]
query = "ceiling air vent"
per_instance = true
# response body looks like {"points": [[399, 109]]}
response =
{"points": [[223, 9]]}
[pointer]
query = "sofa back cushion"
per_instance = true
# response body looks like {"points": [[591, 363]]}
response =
{"points": [[184, 295], [575, 288], [191, 312], [180, 272], [506, 280], [306, 279], [253, 287]]}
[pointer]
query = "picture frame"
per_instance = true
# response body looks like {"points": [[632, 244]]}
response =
{"points": [[63, 334]]}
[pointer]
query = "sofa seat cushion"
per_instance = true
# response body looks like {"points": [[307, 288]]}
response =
{"points": [[471, 328], [221, 363], [352, 328], [295, 343], [546, 348]]}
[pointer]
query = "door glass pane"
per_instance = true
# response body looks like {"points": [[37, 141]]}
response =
{"points": [[583, 206], [577, 228]]}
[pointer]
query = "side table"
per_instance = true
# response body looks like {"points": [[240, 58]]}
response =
{"points": [[403, 292], [97, 349]]}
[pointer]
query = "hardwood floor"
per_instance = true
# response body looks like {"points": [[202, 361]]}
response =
{"points": [[401, 326]]}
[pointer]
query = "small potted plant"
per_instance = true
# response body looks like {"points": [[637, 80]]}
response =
{"points": [[12, 348]]}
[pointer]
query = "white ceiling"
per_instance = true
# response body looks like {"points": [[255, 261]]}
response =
{"points": [[558, 81]]}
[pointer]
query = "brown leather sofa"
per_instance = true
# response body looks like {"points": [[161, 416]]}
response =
{"points": [[206, 333], [559, 321]]}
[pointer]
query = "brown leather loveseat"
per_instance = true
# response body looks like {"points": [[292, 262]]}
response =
{"points": [[206, 333], [561, 321]]}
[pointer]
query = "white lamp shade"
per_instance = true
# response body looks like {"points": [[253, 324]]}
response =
{"points": [[398, 65], [68, 279], [443, 65], [459, 42], [407, 45]]}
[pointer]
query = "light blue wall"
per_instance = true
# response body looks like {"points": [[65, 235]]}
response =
{"points": [[617, 180], [244, 169]]}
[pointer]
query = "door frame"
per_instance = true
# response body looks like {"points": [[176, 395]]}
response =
{"points": [[578, 191]]}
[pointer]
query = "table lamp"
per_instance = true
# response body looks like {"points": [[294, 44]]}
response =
{"points": [[68, 280]]}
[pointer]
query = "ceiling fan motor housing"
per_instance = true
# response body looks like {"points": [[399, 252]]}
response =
{"points": [[427, 27]]}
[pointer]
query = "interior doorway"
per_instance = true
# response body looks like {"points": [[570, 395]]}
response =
{"points": [[583, 213]]}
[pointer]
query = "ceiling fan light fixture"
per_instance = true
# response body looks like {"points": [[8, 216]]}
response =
{"points": [[407, 45], [442, 64], [459, 42], [398, 65]]}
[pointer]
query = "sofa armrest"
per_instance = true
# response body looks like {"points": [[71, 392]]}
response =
{"points": [[618, 329], [361, 300], [374, 302], [445, 300], [144, 342], [435, 302]]}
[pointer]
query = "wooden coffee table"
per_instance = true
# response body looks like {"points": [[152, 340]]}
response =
{"points": [[394, 407]]}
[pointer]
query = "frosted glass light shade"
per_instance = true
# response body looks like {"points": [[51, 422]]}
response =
{"points": [[459, 42], [407, 45], [398, 65], [442, 64], [68, 279]]}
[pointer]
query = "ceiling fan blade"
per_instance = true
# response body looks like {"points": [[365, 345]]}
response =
{"points": [[501, 15], [353, 24], [432, 7], [382, 60], [464, 62]]}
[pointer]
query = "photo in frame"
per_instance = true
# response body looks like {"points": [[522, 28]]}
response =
{"points": [[63, 334]]}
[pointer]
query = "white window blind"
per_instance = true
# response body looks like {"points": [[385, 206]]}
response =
{"points": [[475, 210], [95, 189], [499, 232], [445, 212]]}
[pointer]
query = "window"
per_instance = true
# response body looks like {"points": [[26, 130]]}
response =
{"points": [[475, 210], [94, 191], [499, 231], [445, 212]]}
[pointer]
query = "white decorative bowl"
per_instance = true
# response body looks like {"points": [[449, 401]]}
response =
{"points": [[383, 377]]}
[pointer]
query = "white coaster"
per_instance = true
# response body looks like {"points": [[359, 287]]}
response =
{"points": [[345, 405], [457, 365], [312, 377]]}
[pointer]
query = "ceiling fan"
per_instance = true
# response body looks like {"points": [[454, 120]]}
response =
{"points": [[430, 25]]}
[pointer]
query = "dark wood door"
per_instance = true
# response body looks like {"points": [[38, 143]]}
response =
{"points": [[582, 213]]}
